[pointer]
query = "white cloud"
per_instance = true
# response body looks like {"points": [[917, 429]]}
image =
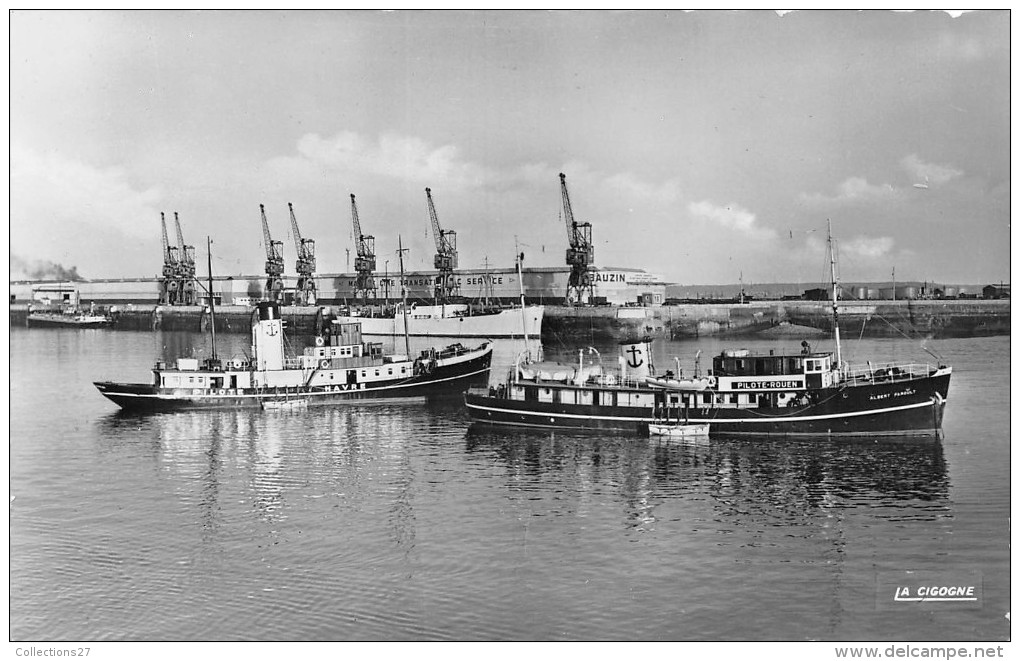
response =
{"points": [[929, 172], [852, 190], [53, 186], [863, 247], [628, 185], [392, 155], [69, 211], [732, 217]]}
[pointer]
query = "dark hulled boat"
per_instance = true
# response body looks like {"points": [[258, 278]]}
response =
{"points": [[802, 394], [68, 318], [339, 368], [792, 394]]}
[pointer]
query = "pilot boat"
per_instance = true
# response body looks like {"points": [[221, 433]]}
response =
{"points": [[774, 393]]}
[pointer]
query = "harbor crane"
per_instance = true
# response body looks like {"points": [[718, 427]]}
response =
{"points": [[185, 268], [364, 262], [305, 263], [580, 254], [168, 285], [274, 263], [446, 256]]}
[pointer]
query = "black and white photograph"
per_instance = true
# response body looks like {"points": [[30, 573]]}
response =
{"points": [[331, 329]]}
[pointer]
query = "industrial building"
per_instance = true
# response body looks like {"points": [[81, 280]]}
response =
{"points": [[613, 286]]}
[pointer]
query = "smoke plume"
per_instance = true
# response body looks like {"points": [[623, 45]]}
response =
{"points": [[22, 269]]}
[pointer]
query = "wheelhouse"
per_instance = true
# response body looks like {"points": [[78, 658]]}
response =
{"points": [[742, 362]]}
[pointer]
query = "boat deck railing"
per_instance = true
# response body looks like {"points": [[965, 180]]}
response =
{"points": [[593, 381], [865, 374]]}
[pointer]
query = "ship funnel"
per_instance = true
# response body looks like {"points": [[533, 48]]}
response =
{"points": [[635, 358], [267, 337], [268, 310]]}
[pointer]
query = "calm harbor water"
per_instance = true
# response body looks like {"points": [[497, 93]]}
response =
{"points": [[404, 522]]}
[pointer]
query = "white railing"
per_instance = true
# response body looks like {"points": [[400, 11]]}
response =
{"points": [[892, 372]]}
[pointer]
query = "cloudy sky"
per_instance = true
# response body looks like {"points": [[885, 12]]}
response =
{"points": [[701, 146]]}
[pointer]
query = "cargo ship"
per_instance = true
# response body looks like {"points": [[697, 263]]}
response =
{"points": [[67, 318], [450, 320], [338, 368]]}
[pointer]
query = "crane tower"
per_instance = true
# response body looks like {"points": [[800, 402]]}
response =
{"points": [[446, 256], [305, 263], [580, 254], [185, 268], [364, 263], [168, 284], [274, 263]]}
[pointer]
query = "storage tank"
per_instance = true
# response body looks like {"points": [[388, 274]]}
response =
{"points": [[860, 293], [906, 293], [887, 294], [874, 294], [951, 292]]}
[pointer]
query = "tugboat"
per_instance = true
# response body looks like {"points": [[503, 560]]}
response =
{"points": [[803, 393], [339, 368]]}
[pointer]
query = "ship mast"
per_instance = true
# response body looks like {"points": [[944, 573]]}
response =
{"points": [[212, 303], [835, 297], [403, 293], [520, 281]]}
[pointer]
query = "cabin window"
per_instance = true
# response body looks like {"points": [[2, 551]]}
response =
{"points": [[364, 374], [584, 397], [191, 379], [815, 365], [390, 371]]}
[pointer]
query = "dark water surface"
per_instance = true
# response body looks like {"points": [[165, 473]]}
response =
{"points": [[403, 522]]}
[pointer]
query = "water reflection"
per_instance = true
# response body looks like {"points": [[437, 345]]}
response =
{"points": [[761, 482], [341, 453]]}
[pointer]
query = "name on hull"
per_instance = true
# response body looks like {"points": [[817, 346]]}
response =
{"points": [[764, 384]]}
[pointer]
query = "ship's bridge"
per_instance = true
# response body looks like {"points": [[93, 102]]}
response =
{"points": [[742, 362]]}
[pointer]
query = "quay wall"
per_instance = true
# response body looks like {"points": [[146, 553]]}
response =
{"points": [[926, 318], [923, 318]]}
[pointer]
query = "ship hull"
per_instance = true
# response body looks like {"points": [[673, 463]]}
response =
{"points": [[66, 321], [446, 381], [502, 324], [905, 408]]}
